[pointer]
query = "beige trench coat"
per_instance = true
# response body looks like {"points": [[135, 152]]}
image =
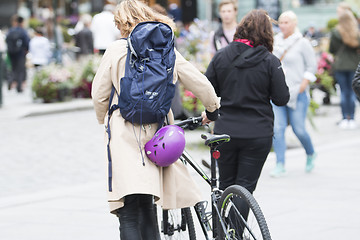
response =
{"points": [[172, 186]]}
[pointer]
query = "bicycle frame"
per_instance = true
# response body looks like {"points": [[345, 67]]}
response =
{"points": [[219, 226], [215, 192], [191, 124]]}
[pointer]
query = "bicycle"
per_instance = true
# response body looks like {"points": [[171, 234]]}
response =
{"points": [[225, 220]]}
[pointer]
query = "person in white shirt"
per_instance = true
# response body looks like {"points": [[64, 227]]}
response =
{"points": [[104, 29], [40, 49]]}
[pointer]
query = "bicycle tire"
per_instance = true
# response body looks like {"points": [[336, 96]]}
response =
{"points": [[177, 224], [235, 222]]}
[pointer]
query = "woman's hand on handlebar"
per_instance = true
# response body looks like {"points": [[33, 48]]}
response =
{"points": [[205, 119]]}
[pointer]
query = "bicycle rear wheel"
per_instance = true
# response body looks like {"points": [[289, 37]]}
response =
{"points": [[177, 224], [241, 215]]}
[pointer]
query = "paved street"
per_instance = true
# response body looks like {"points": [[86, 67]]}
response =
{"points": [[53, 186]]}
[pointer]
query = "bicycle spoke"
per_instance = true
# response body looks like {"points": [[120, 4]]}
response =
{"points": [[248, 227], [242, 216], [179, 225]]}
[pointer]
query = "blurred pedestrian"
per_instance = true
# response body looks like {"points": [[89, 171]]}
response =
{"points": [[137, 182], [246, 76], [299, 64], [17, 41], [345, 45], [312, 33], [225, 33], [356, 82], [104, 29], [84, 38], [175, 12], [2, 42], [40, 49], [2, 58]]}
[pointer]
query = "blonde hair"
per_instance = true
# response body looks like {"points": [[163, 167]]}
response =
{"points": [[348, 28], [290, 14], [344, 6], [129, 13], [233, 2]]}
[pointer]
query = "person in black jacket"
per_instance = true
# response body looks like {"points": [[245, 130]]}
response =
{"points": [[84, 39], [247, 76], [17, 41], [356, 82]]}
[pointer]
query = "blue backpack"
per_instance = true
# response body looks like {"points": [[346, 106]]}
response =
{"points": [[147, 89]]}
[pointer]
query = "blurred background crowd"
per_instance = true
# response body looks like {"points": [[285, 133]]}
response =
{"points": [[66, 39]]}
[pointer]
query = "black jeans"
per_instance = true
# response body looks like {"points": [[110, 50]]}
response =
{"points": [[18, 71], [138, 218], [242, 160], [240, 163]]}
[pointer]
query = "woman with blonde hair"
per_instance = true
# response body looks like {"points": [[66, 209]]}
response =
{"points": [[137, 185], [299, 64], [345, 45]]}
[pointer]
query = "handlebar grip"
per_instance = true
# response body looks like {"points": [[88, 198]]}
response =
{"points": [[190, 123]]}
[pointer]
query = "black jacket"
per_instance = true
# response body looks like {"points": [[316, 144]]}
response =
{"points": [[246, 85], [84, 40], [356, 82]]}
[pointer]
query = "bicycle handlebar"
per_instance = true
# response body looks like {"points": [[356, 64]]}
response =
{"points": [[190, 123]]}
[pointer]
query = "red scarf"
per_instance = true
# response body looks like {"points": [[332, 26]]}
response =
{"points": [[246, 41]]}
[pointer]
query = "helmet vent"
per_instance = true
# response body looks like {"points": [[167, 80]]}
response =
{"points": [[155, 145], [163, 145], [155, 153], [161, 138]]}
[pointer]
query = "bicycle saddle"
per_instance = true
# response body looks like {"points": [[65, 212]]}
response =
{"points": [[213, 140]]}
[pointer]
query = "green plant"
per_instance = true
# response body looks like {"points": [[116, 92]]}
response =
{"points": [[66, 35], [191, 104], [84, 73], [42, 88], [52, 83], [312, 112], [325, 81], [193, 44], [332, 23], [34, 23]]}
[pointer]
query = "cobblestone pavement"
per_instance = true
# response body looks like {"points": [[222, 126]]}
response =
{"points": [[53, 186]]}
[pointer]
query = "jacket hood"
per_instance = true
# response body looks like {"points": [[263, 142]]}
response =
{"points": [[251, 57]]}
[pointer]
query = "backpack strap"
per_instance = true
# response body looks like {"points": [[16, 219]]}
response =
{"points": [[287, 49], [111, 109], [219, 33]]}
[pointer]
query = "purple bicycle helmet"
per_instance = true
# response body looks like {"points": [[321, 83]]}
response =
{"points": [[166, 146]]}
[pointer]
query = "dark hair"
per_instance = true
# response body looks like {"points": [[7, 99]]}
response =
{"points": [[256, 27], [39, 31], [20, 19]]}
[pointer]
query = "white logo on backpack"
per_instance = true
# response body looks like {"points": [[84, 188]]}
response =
{"points": [[151, 95]]}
